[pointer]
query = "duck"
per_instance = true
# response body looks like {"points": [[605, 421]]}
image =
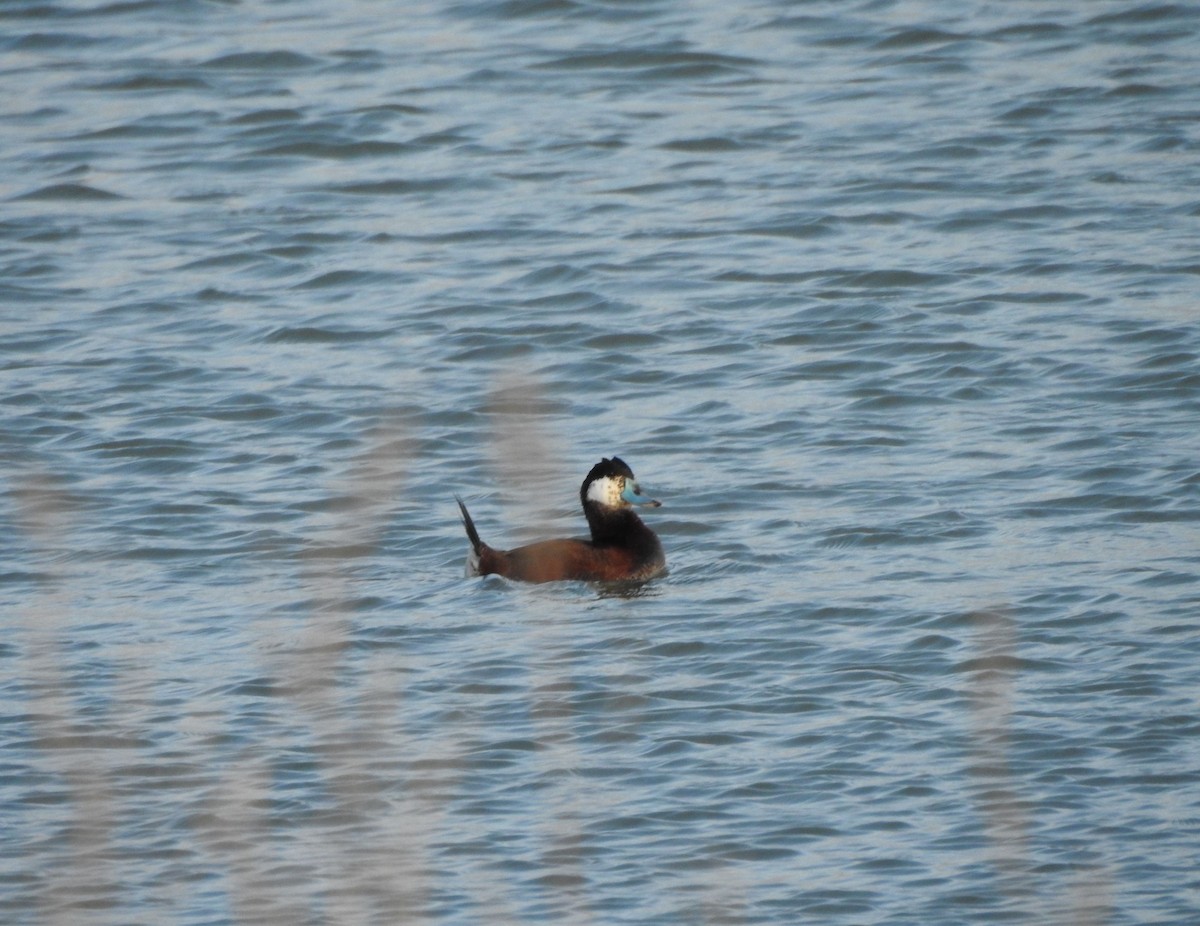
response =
{"points": [[622, 548]]}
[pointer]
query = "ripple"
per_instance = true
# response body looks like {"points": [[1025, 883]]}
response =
{"points": [[317, 335], [68, 192], [278, 60], [667, 62]]}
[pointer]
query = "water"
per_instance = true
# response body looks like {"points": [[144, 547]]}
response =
{"points": [[894, 304]]}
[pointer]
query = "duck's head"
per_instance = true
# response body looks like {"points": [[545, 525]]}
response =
{"points": [[611, 485]]}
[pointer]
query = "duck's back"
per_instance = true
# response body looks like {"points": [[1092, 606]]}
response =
{"points": [[579, 560]]}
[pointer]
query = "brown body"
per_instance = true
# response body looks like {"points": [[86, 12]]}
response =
{"points": [[581, 560]]}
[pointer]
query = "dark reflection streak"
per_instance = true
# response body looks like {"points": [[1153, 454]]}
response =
{"points": [[525, 459], [997, 792], [1005, 819], [86, 875], [365, 882]]}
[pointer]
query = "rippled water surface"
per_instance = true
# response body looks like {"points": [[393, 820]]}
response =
{"points": [[896, 305]]}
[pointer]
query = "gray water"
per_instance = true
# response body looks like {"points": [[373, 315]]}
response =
{"points": [[895, 305]]}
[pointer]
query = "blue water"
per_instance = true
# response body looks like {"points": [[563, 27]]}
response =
{"points": [[895, 305]]}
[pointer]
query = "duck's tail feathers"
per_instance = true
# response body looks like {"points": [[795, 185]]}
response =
{"points": [[477, 545]]}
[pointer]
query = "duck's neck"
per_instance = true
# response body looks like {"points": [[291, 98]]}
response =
{"points": [[620, 527]]}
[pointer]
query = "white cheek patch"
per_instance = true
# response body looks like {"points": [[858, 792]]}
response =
{"points": [[606, 491]]}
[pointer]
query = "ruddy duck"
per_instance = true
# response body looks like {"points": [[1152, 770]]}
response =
{"points": [[622, 548]]}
